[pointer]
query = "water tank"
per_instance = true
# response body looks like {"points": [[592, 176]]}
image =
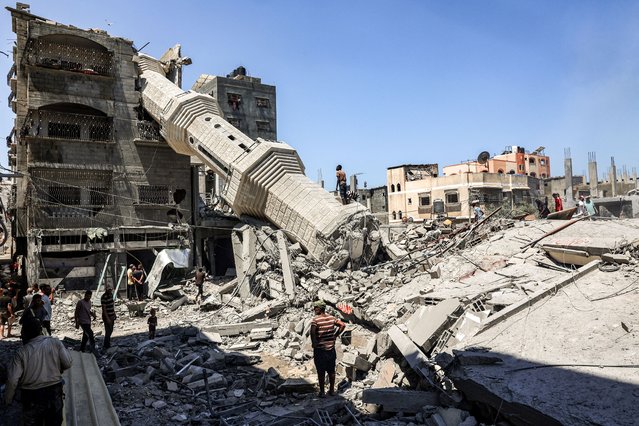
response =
{"points": [[438, 206]]}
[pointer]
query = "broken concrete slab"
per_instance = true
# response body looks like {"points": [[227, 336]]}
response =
{"points": [[351, 359], [411, 352], [235, 329], [264, 310], [287, 272], [264, 333], [551, 287], [244, 242], [386, 374], [404, 400], [615, 258], [427, 323], [210, 336], [297, 385]]}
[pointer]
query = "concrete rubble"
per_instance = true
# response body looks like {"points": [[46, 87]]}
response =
{"points": [[418, 349]]}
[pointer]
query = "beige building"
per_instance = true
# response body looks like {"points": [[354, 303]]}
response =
{"points": [[513, 160], [417, 192]]}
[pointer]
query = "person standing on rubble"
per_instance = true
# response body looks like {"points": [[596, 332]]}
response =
{"points": [[477, 211], [590, 206], [108, 315], [36, 369], [153, 323], [45, 290], [559, 205], [324, 330], [130, 283], [83, 315], [6, 313], [199, 283], [341, 183], [138, 279]]}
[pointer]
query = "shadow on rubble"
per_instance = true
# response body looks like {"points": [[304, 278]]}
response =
{"points": [[499, 387], [186, 376]]}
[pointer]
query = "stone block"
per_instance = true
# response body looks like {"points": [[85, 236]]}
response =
{"points": [[427, 323], [355, 360]]}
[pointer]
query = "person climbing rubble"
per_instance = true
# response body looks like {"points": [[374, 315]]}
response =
{"points": [[199, 283], [325, 329], [340, 186]]}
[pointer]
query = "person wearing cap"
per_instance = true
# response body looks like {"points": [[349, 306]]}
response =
{"points": [[36, 369], [130, 283], [108, 315], [324, 330]]}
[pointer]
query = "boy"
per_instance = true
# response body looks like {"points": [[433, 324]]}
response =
{"points": [[153, 323]]}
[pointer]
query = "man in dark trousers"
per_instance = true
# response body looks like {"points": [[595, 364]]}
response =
{"points": [[37, 369], [83, 315], [324, 330], [6, 312], [108, 315], [341, 183], [199, 283]]}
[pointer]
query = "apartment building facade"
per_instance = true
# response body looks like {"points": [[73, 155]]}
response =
{"points": [[99, 188], [416, 195]]}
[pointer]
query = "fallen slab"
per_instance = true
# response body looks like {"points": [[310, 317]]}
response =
{"points": [[235, 329], [427, 323], [538, 295], [87, 397], [395, 400], [264, 310], [411, 352]]}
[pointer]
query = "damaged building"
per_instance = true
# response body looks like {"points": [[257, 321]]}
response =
{"points": [[445, 326], [98, 184], [417, 192]]}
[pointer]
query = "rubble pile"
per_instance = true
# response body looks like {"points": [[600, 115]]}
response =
{"points": [[243, 355]]}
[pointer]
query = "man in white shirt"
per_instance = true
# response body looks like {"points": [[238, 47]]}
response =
{"points": [[36, 369]]}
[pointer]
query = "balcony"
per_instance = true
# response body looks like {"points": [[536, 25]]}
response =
{"points": [[148, 131], [48, 124], [70, 53]]}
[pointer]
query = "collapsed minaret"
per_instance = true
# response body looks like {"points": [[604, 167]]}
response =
{"points": [[264, 179]]}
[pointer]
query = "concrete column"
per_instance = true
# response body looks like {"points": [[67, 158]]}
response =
{"points": [[244, 239], [592, 174], [613, 177], [568, 177]]}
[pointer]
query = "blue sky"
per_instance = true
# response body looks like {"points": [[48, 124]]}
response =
{"points": [[373, 84]]}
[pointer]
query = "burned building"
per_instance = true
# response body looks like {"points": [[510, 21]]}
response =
{"points": [[97, 183]]}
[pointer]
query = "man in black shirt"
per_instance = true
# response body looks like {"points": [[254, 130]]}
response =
{"points": [[6, 312], [108, 315]]}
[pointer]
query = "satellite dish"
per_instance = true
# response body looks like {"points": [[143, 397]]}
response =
{"points": [[483, 157]]}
